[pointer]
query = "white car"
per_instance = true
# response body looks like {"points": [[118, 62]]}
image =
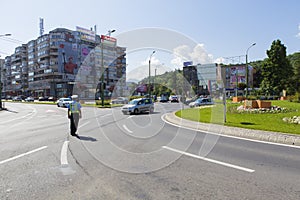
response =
{"points": [[63, 102]]}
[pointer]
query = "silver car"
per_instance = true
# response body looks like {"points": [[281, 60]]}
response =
{"points": [[139, 106], [201, 102]]}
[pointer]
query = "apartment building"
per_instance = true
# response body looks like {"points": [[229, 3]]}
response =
{"points": [[63, 62]]}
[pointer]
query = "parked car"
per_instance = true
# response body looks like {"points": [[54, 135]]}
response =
{"points": [[43, 98], [163, 99], [174, 98], [17, 98], [63, 102], [201, 102], [120, 100], [52, 99], [29, 99], [139, 106]]}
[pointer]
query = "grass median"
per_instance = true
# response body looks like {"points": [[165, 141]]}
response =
{"points": [[260, 121]]}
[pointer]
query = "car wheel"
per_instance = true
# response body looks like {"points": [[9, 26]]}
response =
{"points": [[57, 105], [136, 111], [151, 110]]}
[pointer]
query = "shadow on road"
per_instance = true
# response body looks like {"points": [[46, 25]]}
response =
{"points": [[87, 138], [12, 111]]}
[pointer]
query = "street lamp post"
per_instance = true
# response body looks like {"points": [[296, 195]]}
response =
{"points": [[102, 67], [247, 70], [149, 88], [7, 34]]}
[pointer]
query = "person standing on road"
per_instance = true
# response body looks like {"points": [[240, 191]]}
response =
{"points": [[74, 114]]}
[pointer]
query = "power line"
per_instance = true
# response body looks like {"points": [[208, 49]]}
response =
{"points": [[12, 40]]}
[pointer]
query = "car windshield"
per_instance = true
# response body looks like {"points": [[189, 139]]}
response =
{"points": [[133, 102]]}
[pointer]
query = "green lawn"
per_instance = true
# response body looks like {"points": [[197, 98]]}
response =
{"points": [[268, 122]]}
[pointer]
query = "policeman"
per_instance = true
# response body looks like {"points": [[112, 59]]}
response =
{"points": [[74, 114]]}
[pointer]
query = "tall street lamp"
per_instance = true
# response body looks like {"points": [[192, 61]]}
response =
{"points": [[7, 34], [247, 70], [149, 88], [102, 67]]}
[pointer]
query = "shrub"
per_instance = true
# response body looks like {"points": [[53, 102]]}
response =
{"points": [[106, 102], [294, 98]]}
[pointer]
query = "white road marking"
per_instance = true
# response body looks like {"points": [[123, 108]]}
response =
{"points": [[230, 136], [86, 123], [210, 160], [23, 154], [63, 154], [50, 111], [127, 129]]}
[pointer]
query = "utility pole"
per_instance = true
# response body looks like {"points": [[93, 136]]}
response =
{"points": [[247, 70], [7, 34], [149, 84]]}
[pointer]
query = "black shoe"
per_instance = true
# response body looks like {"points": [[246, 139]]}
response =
{"points": [[77, 136]]}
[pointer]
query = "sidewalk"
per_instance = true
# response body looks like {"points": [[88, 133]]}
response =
{"points": [[267, 136]]}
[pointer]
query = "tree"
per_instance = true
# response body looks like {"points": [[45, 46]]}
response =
{"points": [[295, 62], [276, 70], [242, 86]]}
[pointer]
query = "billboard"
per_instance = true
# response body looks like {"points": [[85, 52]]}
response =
{"points": [[68, 60], [86, 34], [237, 74], [187, 63], [107, 40]]}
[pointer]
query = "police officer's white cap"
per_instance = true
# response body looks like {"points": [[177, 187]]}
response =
{"points": [[74, 96]]}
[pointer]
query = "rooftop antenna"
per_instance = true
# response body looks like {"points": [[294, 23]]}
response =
{"points": [[41, 26]]}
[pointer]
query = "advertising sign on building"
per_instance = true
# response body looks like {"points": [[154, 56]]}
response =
{"points": [[86, 34], [187, 63], [110, 41], [237, 75], [68, 60]]}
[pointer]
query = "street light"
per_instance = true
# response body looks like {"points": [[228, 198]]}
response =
{"points": [[102, 67], [149, 88], [110, 32], [7, 34], [247, 70]]}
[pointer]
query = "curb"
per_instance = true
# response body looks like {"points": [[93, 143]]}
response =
{"points": [[267, 136]]}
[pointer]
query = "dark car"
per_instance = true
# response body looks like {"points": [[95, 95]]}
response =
{"points": [[43, 98]]}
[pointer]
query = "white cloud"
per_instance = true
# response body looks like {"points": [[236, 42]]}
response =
{"points": [[185, 53], [220, 60], [154, 61], [298, 35]]}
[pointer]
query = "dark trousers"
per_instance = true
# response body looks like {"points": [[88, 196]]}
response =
{"points": [[74, 120]]}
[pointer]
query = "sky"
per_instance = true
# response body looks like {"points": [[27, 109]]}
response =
{"points": [[202, 31]]}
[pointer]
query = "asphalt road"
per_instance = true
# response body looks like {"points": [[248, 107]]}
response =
{"points": [[134, 157]]}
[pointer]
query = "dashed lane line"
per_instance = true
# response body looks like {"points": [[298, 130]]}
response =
{"points": [[210, 160], [23, 154]]}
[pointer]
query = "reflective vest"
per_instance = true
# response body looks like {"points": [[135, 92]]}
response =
{"points": [[74, 107]]}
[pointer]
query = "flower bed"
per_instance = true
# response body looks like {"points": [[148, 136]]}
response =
{"points": [[272, 109], [292, 120]]}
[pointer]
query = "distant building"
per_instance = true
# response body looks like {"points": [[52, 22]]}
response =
{"points": [[65, 61], [207, 78], [202, 78]]}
